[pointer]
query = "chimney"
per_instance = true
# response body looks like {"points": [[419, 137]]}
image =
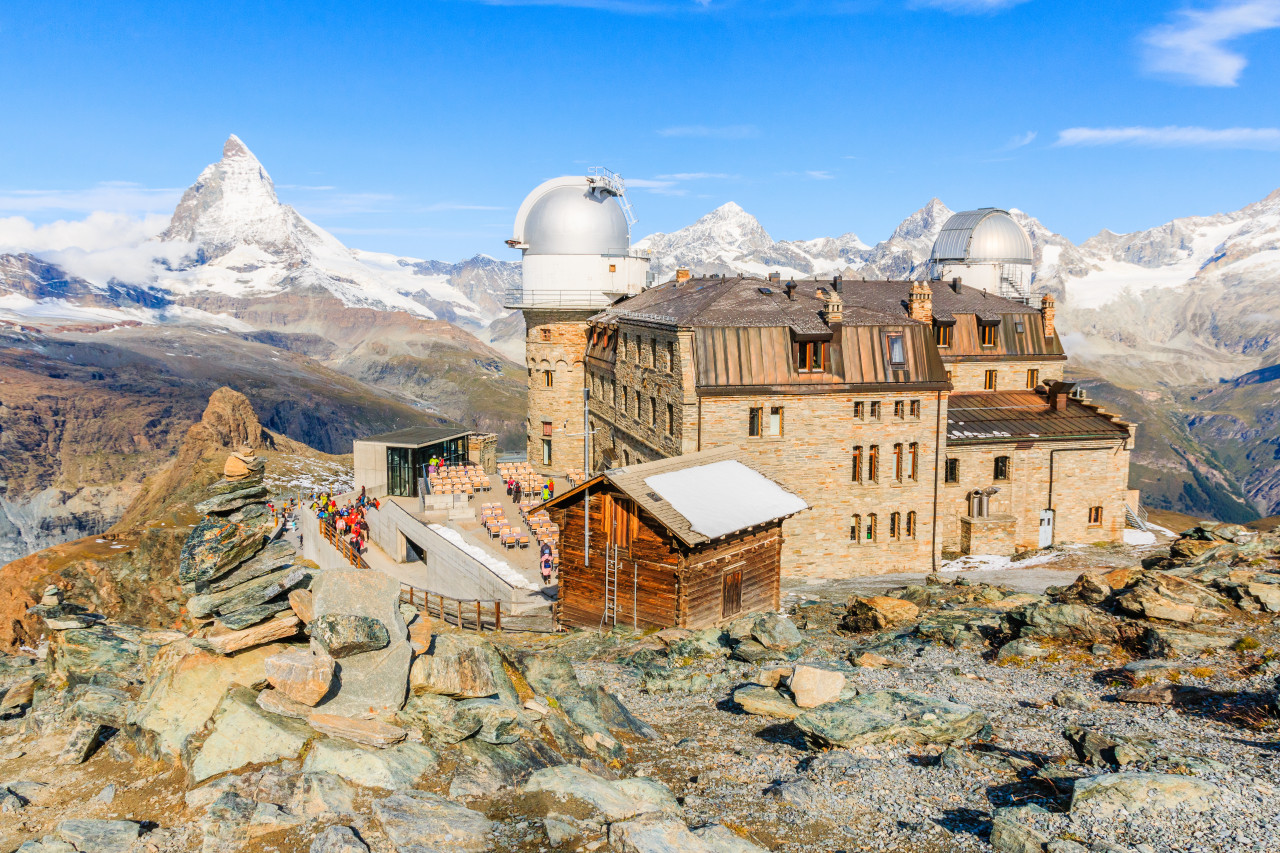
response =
{"points": [[920, 303], [775, 276], [1059, 392], [683, 274], [834, 309], [791, 291], [836, 281], [1048, 307], [955, 285]]}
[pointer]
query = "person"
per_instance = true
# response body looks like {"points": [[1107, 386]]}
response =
{"points": [[545, 565], [546, 494], [551, 488], [515, 492]]}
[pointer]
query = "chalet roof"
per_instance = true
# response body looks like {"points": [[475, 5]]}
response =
{"points": [[1006, 415], [416, 436], [702, 496]]}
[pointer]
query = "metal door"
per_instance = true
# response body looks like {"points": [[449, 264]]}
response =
{"points": [[1046, 528]]}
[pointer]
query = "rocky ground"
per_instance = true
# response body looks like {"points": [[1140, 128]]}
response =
{"points": [[1131, 707]]}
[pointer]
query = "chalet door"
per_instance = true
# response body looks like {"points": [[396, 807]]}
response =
{"points": [[1046, 528], [731, 603]]}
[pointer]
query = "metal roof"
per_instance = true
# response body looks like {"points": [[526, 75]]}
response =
{"points": [[986, 234], [416, 436], [1014, 415]]}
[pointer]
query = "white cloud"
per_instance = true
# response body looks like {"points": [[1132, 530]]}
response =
{"points": [[1020, 140], [1194, 47], [1256, 138], [701, 131], [116, 196], [969, 6], [820, 175], [661, 187], [697, 176], [100, 247]]}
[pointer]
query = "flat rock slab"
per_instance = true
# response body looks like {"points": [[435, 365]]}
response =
{"points": [[1112, 792], [616, 800], [245, 734], [274, 557], [766, 702], [813, 686], [485, 769], [890, 716], [658, 834], [369, 681], [84, 737], [217, 546], [267, 632], [463, 666], [394, 768], [338, 839], [99, 836], [300, 675], [421, 822], [367, 732], [322, 795]]}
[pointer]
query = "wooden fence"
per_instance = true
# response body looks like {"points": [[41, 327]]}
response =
{"points": [[351, 555], [477, 615]]}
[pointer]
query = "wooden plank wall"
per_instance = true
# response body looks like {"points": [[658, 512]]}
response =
{"points": [[654, 557], [758, 555]]}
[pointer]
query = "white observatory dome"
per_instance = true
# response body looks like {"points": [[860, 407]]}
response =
{"points": [[571, 217], [984, 235]]}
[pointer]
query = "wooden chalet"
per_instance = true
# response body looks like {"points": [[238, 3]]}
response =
{"points": [[689, 542]]}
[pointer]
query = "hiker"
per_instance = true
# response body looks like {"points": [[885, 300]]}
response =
{"points": [[546, 493], [545, 566], [515, 492], [551, 488]]}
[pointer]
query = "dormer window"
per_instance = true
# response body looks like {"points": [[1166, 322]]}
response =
{"points": [[811, 356], [897, 349], [942, 334], [987, 333]]}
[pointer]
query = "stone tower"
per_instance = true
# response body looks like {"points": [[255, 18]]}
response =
{"points": [[575, 240]]}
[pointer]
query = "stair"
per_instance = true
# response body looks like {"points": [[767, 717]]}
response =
{"points": [[1136, 517]]}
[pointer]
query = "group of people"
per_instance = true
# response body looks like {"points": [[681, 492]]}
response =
{"points": [[348, 520], [518, 492]]}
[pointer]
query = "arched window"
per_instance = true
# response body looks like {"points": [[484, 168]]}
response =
{"points": [[1001, 468], [855, 528], [895, 525], [872, 532], [857, 464], [911, 525]]}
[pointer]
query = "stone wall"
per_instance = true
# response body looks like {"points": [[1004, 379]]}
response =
{"points": [[555, 344], [968, 376], [642, 407], [995, 534]]}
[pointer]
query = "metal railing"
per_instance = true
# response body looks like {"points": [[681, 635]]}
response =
{"points": [[581, 299], [1137, 517]]}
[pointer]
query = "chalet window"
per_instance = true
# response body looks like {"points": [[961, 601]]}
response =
{"points": [[549, 377], [775, 422], [942, 334], [897, 462], [619, 520], [989, 381], [1002, 468], [895, 525], [987, 334], [915, 408], [546, 334], [755, 418], [857, 464], [951, 473], [900, 409], [911, 525], [855, 528], [671, 419], [1095, 516], [546, 451], [915, 460], [875, 410], [811, 356], [546, 428], [873, 463], [872, 527], [1033, 378], [860, 410], [731, 599], [897, 349]]}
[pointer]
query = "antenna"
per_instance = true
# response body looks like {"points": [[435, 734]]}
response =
{"points": [[610, 183]]}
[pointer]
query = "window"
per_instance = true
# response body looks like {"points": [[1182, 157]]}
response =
{"points": [[546, 451], [855, 528], [1095, 516], [873, 463], [755, 415], [900, 409], [872, 528], [895, 525], [613, 391], [1033, 378], [731, 595], [811, 356], [1019, 327], [546, 334], [989, 381], [951, 473], [915, 460], [1002, 468], [897, 349], [549, 377], [948, 377], [942, 334], [988, 335], [671, 419], [915, 408], [622, 351], [860, 410], [546, 428], [875, 410], [619, 520], [671, 355], [775, 422], [857, 464], [626, 400], [897, 462], [653, 352], [911, 525], [653, 412]]}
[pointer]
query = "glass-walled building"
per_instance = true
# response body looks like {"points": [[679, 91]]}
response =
{"points": [[399, 459]]}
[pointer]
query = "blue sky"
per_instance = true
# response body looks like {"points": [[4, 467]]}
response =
{"points": [[417, 128]]}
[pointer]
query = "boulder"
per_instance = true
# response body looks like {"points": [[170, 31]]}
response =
{"points": [[1163, 642], [368, 732], [766, 702], [1073, 700], [280, 628], [370, 680], [1021, 650], [99, 836], [462, 666], [394, 768], [216, 546], [303, 605], [616, 800], [253, 593], [548, 674], [83, 738], [1010, 832], [771, 675], [499, 722], [775, 631], [1100, 749], [1266, 594], [1075, 622], [657, 833], [245, 734], [870, 660], [812, 686], [322, 795], [250, 616], [1090, 588], [338, 839], [617, 716], [484, 769], [271, 559], [96, 653], [890, 716], [961, 629], [346, 634], [422, 822], [1111, 793], [300, 675], [232, 500], [877, 613], [750, 651]]}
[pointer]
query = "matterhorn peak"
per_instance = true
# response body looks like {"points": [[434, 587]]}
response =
{"points": [[234, 149]]}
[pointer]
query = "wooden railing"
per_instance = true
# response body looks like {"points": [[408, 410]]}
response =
{"points": [[476, 614], [351, 555]]}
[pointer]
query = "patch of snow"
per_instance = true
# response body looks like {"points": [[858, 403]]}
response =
{"points": [[497, 565], [995, 562], [724, 497], [1138, 537]]}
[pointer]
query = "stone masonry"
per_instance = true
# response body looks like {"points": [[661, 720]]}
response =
{"points": [[555, 346]]}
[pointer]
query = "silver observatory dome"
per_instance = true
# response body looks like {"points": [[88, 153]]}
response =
{"points": [[987, 234], [571, 216]]}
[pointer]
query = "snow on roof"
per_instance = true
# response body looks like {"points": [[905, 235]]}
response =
{"points": [[724, 497]]}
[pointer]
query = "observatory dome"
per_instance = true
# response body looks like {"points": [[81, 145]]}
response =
{"points": [[987, 234], [572, 220]]}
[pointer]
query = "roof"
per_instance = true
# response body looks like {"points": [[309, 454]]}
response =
{"points": [[986, 234], [701, 496], [1006, 415], [416, 436]]}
